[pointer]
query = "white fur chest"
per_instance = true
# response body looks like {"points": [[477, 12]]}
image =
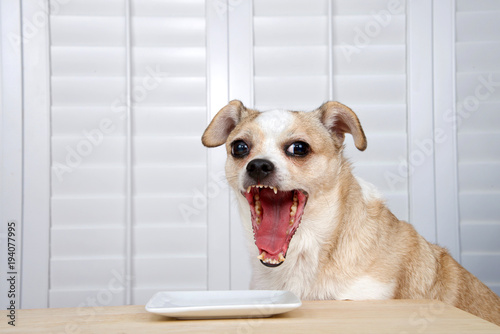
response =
{"points": [[300, 275], [297, 274]]}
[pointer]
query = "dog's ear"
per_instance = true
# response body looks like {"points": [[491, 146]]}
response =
{"points": [[223, 123], [339, 120]]}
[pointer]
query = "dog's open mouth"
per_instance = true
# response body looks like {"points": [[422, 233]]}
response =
{"points": [[276, 216]]}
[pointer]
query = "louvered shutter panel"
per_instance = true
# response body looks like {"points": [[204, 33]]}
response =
{"points": [[369, 75], [478, 121], [168, 165], [290, 54], [87, 195], [170, 248]]}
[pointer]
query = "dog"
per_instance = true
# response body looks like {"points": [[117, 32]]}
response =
{"points": [[318, 230]]}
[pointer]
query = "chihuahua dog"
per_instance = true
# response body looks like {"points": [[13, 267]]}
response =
{"points": [[319, 231]]}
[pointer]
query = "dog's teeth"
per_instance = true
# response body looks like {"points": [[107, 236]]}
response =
{"points": [[261, 256], [257, 220], [275, 190], [293, 209], [281, 257], [249, 189], [258, 208], [292, 220]]}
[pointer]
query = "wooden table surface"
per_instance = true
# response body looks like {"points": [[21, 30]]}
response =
{"points": [[387, 316]]}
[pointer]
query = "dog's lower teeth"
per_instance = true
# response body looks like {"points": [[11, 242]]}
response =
{"points": [[281, 258], [264, 259]]}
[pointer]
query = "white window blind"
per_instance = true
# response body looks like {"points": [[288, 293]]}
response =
{"points": [[478, 120], [90, 143]]}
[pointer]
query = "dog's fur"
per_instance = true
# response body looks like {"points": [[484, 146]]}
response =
{"points": [[348, 245]]}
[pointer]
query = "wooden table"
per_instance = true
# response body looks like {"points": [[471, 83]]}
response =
{"points": [[388, 316]]}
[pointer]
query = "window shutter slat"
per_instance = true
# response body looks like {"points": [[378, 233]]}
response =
{"points": [[478, 120]]}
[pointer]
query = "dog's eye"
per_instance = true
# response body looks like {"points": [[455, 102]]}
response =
{"points": [[299, 149], [239, 149]]}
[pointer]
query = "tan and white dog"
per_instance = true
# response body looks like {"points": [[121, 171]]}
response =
{"points": [[319, 231]]}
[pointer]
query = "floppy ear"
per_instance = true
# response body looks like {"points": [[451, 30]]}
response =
{"points": [[339, 120], [223, 123]]}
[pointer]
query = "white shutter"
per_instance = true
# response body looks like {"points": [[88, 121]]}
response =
{"points": [[89, 203], [372, 81], [478, 104], [170, 252], [287, 36]]}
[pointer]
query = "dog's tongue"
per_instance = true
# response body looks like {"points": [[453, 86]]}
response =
{"points": [[271, 236]]}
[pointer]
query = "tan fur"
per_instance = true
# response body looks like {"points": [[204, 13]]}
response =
{"points": [[344, 237]]}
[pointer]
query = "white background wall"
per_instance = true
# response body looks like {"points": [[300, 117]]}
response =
{"points": [[104, 102]]}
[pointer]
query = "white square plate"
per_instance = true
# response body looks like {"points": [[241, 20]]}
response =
{"points": [[222, 304]]}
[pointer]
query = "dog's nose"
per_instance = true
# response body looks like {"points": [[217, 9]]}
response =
{"points": [[259, 169]]}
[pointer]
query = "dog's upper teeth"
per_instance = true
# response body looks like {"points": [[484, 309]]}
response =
{"points": [[293, 209], [257, 205], [260, 186]]}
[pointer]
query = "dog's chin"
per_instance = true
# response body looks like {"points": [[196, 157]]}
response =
{"points": [[276, 216]]}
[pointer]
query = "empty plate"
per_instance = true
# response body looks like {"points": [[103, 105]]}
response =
{"points": [[222, 304]]}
